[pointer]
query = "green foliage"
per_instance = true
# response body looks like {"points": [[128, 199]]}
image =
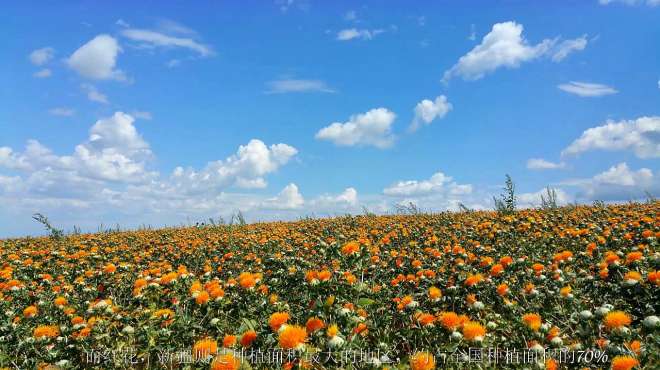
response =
{"points": [[506, 204], [549, 200], [54, 232]]}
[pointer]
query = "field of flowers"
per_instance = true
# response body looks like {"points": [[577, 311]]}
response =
{"points": [[576, 287]]}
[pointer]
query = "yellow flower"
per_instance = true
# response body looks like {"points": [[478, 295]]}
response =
{"points": [[422, 361], [204, 348], [292, 336]]}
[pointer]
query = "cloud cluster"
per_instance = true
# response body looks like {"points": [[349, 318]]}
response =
{"points": [[354, 33], [641, 135]]}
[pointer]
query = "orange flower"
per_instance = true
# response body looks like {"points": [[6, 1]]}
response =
{"points": [[248, 337], [292, 336], [551, 364], [473, 331], [632, 275], [425, 319], [502, 289], [278, 319], [422, 361], [565, 291], [109, 268], [30, 311], [616, 320], [350, 248], [60, 301], [226, 362], [314, 324], [473, 279], [532, 320], [496, 269], [247, 280], [450, 320], [229, 341], [435, 293], [204, 348], [202, 297], [46, 331], [624, 362], [634, 256]]}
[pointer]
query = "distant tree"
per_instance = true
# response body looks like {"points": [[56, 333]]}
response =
{"points": [[54, 232], [549, 201]]}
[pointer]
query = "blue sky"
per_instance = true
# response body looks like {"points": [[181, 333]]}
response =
{"points": [[165, 113]]}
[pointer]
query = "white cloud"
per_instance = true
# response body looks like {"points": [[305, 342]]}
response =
{"points": [[641, 135], [245, 169], [473, 33], [93, 94], [426, 111], [371, 128], [504, 46], [567, 47], [586, 89], [631, 2], [354, 33], [438, 183], [97, 59], [349, 198], [531, 200], [618, 183], [142, 115], [62, 111], [108, 174], [542, 164], [296, 85], [42, 56], [288, 198], [152, 39], [43, 73]]}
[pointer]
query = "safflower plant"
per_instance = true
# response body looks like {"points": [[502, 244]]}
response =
{"points": [[406, 291]]}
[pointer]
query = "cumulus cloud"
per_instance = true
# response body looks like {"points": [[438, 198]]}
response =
{"points": [[152, 39], [349, 198], [438, 183], [354, 33], [93, 94], [290, 85], [142, 115], [371, 128], [542, 164], [505, 47], [97, 59], [62, 111], [618, 183], [288, 198], [109, 172], [642, 136], [245, 169], [586, 89], [41, 56], [427, 111]]}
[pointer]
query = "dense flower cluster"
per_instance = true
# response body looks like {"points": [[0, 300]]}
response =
{"points": [[576, 278]]}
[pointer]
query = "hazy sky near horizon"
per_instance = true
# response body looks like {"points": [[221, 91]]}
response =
{"points": [[162, 113]]}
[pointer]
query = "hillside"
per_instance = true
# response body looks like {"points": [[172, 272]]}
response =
{"points": [[370, 289]]}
